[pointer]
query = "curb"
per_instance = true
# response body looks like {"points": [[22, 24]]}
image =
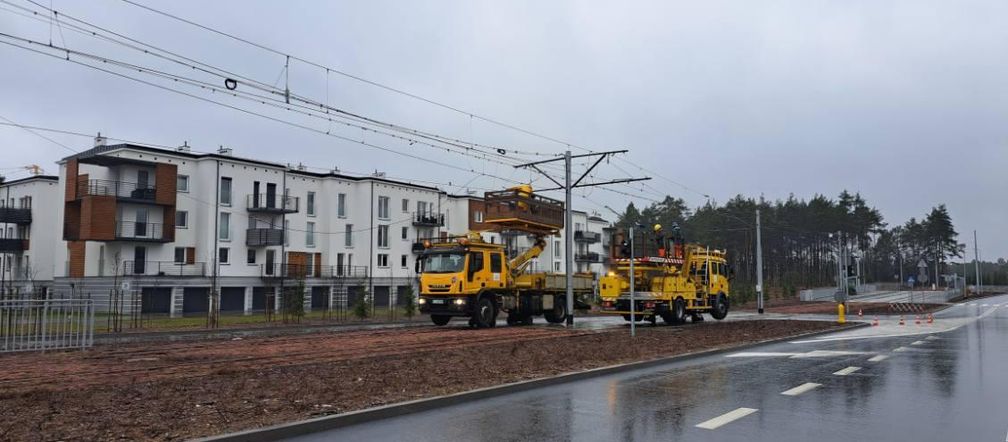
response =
{"points": [[324, 423]]}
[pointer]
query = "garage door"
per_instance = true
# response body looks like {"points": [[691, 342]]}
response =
{"points": [[195, 299], [155, 300], [232, 299], [320, 297]]}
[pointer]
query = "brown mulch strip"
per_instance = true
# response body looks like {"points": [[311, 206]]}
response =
{"points": [[175, 391]]}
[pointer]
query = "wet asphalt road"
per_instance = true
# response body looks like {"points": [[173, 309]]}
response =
{"points": [[948, 386]]}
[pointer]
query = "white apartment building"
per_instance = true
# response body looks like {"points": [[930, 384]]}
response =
{"points": [[27, 225], [170, 226]]}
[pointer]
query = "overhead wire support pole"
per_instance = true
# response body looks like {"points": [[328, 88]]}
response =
{"points": [[567, 186], [759, 266]]}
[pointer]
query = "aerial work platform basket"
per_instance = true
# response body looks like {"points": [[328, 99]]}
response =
{"points": [[517, 208]]}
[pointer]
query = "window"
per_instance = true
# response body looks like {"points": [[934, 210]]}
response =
{"points": [[556, 266], [251, 257], [225, 226], [405, 205], [348, 236], [225, 191], [478, 216], [182, 183], [383, 239], [270, 258], [402, 261], [405, 233], [181, 219], [383, 207], [495, 263], [341, 205], [286, 232], [383, 260], [475, 262], [224, 255], [310, 235], [556, 249], [310, 201], [339, 264], [421, 206], [179, 255]]}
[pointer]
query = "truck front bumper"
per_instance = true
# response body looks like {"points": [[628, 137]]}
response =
{"points": [[445, 305]]}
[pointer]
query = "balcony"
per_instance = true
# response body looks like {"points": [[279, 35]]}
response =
{"points": [[139, 231], [587, 237], [271, 203], [164, 268], [591, 257], [263, 237], [428, 219], [15, 216], [122, 190], [10, 245]]}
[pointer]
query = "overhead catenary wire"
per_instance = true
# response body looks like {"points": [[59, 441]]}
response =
{"points": [[254, 113]]}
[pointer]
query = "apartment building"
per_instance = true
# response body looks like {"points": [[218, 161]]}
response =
{"points": [[27, 224], [173, 225]]}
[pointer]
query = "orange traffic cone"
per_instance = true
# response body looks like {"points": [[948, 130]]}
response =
{"points": [[901, 321], [875, 322], [930, 318], [859, 313], [917, 320]]}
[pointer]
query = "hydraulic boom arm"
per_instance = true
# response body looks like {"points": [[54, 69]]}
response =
{"points": [[520, 262]]}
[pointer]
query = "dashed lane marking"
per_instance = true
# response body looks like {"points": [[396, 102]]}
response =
{"points": [[917, 343], [932, 338], [801, 389], [878, 358], [728, 417], [846, 371]]}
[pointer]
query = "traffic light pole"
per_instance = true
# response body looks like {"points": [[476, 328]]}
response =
{"points": [[759, 266], [633, 320]]}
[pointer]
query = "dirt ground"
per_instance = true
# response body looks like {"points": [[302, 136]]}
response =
{"points": [[172, 391]]}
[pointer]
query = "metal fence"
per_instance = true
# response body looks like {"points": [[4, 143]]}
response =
{"points": [[33, 325]]}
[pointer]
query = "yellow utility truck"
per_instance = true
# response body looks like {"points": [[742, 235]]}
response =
{"points": [[672, 279], [468, 276]]}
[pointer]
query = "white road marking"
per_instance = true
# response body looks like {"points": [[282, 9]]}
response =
{"points": [[755, 354], [828, 353], [985, 305], [917, 343], [728, 417], [900, 349], [931, 338], [801, 389], [878, 358], [846, 371]]}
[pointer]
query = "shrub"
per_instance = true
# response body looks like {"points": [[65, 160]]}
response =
{"points": [[361, 308], [409, 308]]}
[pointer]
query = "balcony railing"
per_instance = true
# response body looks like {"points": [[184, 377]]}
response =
{"points": [[13, 245], [119, 189], [428, 219], [271, 203], [259, 237], [15, 215], [344, 272], [587, 257], [139, 231], [164, 268], [589, 237]]}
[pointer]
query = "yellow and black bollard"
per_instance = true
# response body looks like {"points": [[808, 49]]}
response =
{"points": [[841, 318]]}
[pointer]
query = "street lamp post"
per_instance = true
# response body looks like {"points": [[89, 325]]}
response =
{"points": [[633, 319]]}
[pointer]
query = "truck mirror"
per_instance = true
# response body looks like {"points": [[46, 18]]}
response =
{"points": [[416, 266]]}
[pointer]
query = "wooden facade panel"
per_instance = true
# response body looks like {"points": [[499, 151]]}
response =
{"points": [[97, 218], [70, 192], [165, 176], [76, 259]]}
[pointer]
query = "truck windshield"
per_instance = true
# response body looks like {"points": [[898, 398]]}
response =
{"points": [[443, 263]]}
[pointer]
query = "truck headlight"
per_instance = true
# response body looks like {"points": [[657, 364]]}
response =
{"points": [[422, 301], [460, 301]]}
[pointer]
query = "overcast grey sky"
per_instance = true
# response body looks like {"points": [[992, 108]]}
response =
{"points": [[905, 102]]}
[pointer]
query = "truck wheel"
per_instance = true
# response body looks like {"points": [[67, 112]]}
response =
{"points": [[720, 308], [486, 313], [440, 319], [678, 312], [526, 320], [512, 319], [558, 314]]}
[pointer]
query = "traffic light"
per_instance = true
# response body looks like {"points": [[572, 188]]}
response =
{"points": [[625, 248]]}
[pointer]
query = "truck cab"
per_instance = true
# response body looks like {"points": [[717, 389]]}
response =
{"points": [[454, 275]]}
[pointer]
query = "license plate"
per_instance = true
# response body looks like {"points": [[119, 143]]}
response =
{"points": [[437, 301]]}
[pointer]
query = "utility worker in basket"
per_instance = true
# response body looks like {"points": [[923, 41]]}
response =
{"points": [[660, 240]]}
